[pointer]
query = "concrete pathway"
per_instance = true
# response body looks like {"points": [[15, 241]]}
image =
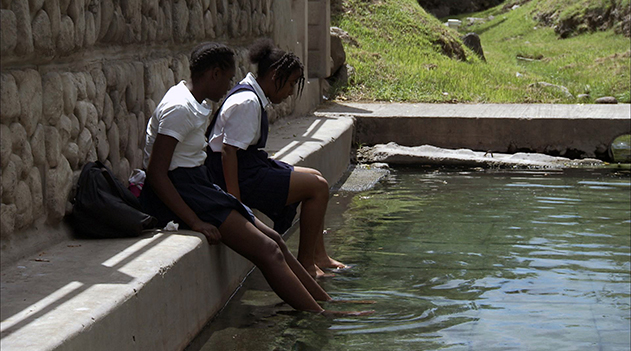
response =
{"points": [[520, 111]]}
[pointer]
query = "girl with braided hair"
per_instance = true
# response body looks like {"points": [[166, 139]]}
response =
{"points": [[240, 167], [178, 186]]}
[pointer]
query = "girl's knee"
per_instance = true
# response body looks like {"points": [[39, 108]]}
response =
{"points": [[322, 185], [270, 253], [318, 187], [278, 239], [308, 170], [307, 186]]}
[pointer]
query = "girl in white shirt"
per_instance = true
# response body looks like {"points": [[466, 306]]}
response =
{"points": [[178, 186], [240, 167]]}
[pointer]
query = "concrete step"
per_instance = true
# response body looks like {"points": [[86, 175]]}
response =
{"points": [[155, 292], [574, 131]]}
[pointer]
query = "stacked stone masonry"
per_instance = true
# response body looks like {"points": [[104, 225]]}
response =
{"points": [[49, 28], [80, 79]]}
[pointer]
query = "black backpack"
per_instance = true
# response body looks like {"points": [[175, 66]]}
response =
{"points": [[104, 208]]}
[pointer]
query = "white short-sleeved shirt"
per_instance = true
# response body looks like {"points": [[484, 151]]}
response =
{"points": [[180, 116], [239, 120]]}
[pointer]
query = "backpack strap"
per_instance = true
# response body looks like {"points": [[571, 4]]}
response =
{"points": [[237, 88]]}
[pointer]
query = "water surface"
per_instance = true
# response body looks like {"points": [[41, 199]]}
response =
{"points": [[461, 260]]}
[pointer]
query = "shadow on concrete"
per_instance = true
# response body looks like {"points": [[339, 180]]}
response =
{"points": [[100, 262], [297, 141], [334, 107]]}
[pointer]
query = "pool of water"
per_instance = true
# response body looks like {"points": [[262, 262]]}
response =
{"points": [[461, 260]]}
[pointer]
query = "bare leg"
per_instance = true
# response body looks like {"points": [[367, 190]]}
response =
{"points": [[323, 259], [308, 185], [312, 286], [244, 238], [313, 191]]}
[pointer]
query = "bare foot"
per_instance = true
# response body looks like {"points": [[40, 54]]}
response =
{"points": [[328, 313], [329, 262], [317, 273]]}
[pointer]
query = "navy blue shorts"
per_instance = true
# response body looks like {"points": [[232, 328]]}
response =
{"points": [[207, 200], [263, 184]]}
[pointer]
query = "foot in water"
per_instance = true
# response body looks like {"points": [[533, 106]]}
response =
{"points": [[317, 273], [334, 314], [331, 263]]}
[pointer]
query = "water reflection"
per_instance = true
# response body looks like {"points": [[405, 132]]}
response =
{"points": [[469, 262]]}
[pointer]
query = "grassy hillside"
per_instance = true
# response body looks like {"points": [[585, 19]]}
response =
{"points": [[404, 54], [571, 18]]}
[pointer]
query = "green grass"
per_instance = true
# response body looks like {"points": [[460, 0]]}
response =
{"points": [[579, 12], [400, 57]]}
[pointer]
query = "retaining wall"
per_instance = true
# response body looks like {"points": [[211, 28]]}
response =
{"points": [[573, 131], [80, 79]]}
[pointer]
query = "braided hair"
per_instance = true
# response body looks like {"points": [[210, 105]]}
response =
{"points": [[268, 57], [210, 55]]}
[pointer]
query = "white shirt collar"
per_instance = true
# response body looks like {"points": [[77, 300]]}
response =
{"points": [[203, 108], [251, 80]]}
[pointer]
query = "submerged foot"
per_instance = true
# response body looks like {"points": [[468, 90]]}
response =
{"points": [[328, 313], [315, 272]]}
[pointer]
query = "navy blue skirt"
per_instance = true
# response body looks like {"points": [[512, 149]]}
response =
{"points": [[263, 184], [207, 200]]}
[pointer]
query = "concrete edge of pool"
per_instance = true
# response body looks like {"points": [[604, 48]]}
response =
{"points": [[147, 293], [574, 131]]}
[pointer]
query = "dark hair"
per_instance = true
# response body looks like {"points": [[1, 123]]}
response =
{"points": [[268, 57], [210, 55]]}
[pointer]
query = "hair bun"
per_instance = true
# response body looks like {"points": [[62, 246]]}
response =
{"points": [[261, 49]]}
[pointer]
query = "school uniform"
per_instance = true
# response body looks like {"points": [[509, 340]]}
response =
{"points": [[242, 122], [180, 116]]}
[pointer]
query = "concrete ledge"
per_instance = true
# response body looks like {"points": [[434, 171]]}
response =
{"points": [[321, 142], [561, 130], [150, 293]]}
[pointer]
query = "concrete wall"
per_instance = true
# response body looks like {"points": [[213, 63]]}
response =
{"points": [[573, 131], [80, 79]]}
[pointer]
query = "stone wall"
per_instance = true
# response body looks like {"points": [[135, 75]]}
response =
{"points": [[80, 79]]}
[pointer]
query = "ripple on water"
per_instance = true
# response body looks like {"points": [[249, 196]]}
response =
{"points": [[531, 185], [402, 312], [453, 262]]}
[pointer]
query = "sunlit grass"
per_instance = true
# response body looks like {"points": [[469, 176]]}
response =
{"points": [[399, 58], [596, 63]]}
